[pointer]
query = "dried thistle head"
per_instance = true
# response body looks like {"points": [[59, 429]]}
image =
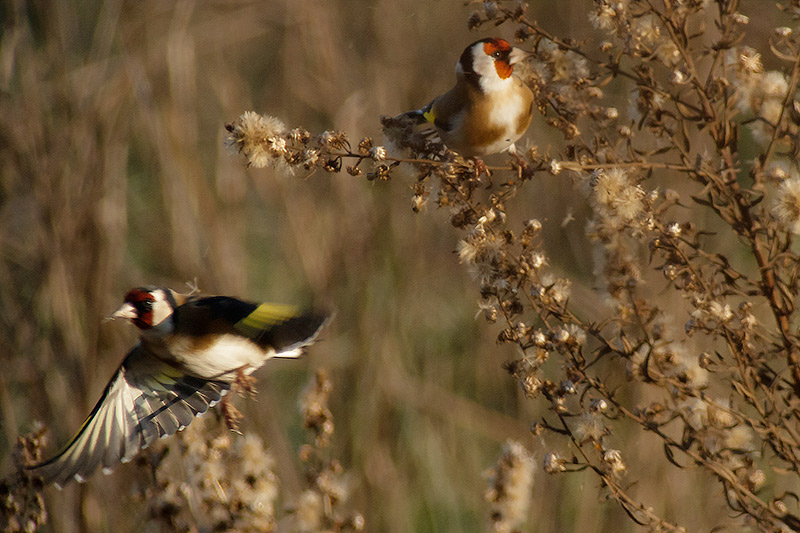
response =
{"points": [[22, 506], [322, 505], [510, 484], [314, 408], [786, 207], [262, 139]]}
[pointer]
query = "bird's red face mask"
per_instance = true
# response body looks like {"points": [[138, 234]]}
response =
{"points": [[138, 307], [500, 51]]}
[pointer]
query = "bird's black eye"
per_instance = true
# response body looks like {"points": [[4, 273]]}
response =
{"points": [[497, 54], [145, 306]]}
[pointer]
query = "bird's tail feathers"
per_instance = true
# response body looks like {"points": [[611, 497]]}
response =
{"points": [[296, 334], [412, 130]]}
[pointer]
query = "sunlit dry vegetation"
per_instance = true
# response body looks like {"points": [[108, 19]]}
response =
{"points": [[599, 335]]}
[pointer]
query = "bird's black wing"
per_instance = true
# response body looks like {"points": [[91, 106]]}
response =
{"points": [[284, 329], [145, 400], [281, 327]]}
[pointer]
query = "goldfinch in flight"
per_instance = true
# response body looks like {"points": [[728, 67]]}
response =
{"points": [[190, 352], [489, 108]]}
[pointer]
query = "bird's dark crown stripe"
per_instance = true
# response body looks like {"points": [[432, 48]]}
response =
{"points": [[170, 298], [139, 294], [490, 46], [467, 68]]}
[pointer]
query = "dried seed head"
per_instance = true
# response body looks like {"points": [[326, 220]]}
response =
{"points": [[533, 225], [553, 463], [474, 20], [596, 92], [490, 9], [335, 140], [539, 339], [509, 491], [756, 479], [787, 207], [299, 135], [750, 61], [590, 428], [568, 387], [365, 146], [705, 361], [613, 458], [679, 77], [738, 18], [780, 507], [378, 153], [777, 172], [260, 138], [739, 438], [598, 405], [720, 415]]}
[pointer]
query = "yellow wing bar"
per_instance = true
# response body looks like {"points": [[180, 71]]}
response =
{"points": [[264, 317]]}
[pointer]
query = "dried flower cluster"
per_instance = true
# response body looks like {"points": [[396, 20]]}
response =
{"points": [[688, 340], [228, 484], [227, 480], [321, 506], [509, 492], [265, 141], [22, 506]]}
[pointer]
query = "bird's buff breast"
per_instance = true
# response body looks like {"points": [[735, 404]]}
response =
{"points": [[494, 124], [510, 113], [212, 357]]}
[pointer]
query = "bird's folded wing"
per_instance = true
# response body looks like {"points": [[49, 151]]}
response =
{"points": [[281, 328], [146, 399]]}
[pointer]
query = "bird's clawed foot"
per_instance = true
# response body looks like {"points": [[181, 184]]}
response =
{"points": [[231, 414], [481, 168], [519, 163], [245, 383]]}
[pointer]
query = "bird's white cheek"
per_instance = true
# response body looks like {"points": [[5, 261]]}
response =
{"points": [[161, 307], [483, 65], [161, 312]]}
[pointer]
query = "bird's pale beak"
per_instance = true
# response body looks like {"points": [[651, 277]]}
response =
{"points": [[517, 55], [126, 311]]}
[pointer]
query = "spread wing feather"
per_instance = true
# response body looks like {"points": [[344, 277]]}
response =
{"points": [[145, 400]]}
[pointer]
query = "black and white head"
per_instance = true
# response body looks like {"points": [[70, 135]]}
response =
{"points": [[489, 63], [147, 307]]}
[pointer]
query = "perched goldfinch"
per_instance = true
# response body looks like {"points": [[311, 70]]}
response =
{"points": [[489, 108], [190, 352]]}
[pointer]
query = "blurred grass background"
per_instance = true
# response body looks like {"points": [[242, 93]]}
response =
{"points": [[113, 173]]}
